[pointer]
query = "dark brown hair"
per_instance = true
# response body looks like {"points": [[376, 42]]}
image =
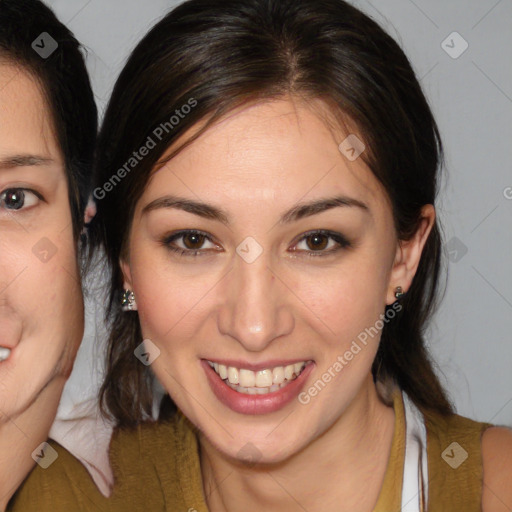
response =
{"points": [[222, 55], [66, 88]]}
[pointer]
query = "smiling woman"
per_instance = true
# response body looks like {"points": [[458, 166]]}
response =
{"points": [[47, 134], [275, 259]]}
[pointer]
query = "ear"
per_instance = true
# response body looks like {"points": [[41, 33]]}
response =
{"points": [[127, 273], [408, 254], [90, 211]]}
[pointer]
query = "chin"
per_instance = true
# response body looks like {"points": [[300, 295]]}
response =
{"points": [[253, 445]]}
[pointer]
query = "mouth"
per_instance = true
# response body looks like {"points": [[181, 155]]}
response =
{"points": [[259, 382], [4, 353], [260, 391]]}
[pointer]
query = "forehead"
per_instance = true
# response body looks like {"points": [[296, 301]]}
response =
{"points": [[281, 150], [25, 121]]}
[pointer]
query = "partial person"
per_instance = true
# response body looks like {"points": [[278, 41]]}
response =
{"points": [[48, 126]]}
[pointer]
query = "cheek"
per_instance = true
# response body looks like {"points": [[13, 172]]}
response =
{"points": [[42, 311], [170, 304], [170, 295], [55, 296], [343, 300], [38, 269]]}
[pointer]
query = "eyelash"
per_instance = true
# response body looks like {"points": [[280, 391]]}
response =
{"points": [[337, 237]]}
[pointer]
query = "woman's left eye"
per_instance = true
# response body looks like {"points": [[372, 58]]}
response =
{"points": [[319, 241], [192, 241], [14, 199]]}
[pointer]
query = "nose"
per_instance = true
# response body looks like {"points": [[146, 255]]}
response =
{"points": [[257, 308]]}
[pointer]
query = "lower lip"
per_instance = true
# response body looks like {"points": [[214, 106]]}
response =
{"points": [[255, 404]]}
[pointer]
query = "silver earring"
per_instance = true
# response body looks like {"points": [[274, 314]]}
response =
{"points": [[128, 300], [398, 292]]}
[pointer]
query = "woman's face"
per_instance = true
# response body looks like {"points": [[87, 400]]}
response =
{"points": [[264, 292], [41, 308]]}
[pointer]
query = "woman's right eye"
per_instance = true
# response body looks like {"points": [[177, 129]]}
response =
{"points": [[192, 237], [14, 199]]}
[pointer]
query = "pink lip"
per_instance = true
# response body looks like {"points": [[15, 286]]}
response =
{"points": [[255, 404], [10, 346]]}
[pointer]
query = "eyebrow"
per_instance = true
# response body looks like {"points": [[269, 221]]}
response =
{"points": [[296, 213], [14, 161]]}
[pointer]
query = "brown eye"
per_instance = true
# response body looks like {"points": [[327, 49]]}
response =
{"points": [[322, 243], [193, 241], [188, 243], [318, 241]]}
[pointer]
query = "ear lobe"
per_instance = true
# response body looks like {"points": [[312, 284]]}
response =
{"points": [[408, 254]]}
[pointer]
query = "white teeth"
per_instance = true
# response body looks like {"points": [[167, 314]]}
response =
{"points": [[257, 391], [264, 378], [223, 371], [247, 378], [278, 375], [4, 353], [233, 375], [259, 382], [288, 371]]}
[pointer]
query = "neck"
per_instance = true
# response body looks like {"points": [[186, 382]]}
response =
{"points": [[21, 434], [347, 463]]}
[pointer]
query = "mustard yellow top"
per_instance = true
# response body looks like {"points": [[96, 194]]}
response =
{"points": [[390, 497], [156, 468]]}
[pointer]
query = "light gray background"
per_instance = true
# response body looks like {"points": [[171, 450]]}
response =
{"points": [[471, 96]]}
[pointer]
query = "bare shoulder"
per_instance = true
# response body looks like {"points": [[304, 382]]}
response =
{"points": [[497, 467]]}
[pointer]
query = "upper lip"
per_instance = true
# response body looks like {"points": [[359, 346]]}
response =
{"points": [[10, 346], [257, 366]]}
